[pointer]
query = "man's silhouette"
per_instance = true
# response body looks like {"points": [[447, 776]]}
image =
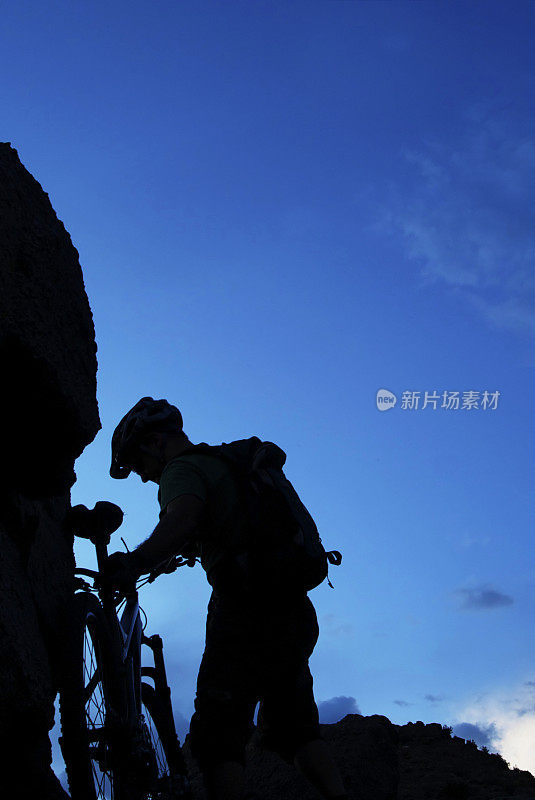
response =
{"points": [[257, 648]]}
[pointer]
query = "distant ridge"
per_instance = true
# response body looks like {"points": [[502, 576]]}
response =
{"points": [[382, 761]]}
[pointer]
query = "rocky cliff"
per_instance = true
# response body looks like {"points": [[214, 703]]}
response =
{"points": [[49, 413], [382, 761]]}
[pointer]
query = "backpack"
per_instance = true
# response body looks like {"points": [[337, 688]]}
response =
{"points": [[283, 551]]}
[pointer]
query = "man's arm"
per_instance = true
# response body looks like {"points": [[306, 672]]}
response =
{"points": [[177, 527]]}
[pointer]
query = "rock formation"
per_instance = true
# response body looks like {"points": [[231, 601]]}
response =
{"points": [[382, 761], [434, 765], [49, 413]]}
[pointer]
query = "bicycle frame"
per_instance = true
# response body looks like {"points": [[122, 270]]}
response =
{"points": [[129, 631], [120, 727]]}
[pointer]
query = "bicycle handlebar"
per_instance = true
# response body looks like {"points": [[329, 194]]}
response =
{"points": [[168, 566], [97, 525]]}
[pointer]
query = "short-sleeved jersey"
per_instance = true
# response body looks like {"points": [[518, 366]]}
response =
{"points": [[209, 478]]}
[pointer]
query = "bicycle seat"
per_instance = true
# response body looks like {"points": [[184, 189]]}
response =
{"points": [[96, 524]]}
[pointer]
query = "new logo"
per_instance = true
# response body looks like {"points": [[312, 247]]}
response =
{"points": [[385, 399]]}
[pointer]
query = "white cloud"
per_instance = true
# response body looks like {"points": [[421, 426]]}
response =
{"points": [[512, 713], [511, 313], [467, 218]]}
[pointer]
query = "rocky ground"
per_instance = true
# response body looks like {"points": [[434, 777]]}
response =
{"points": [[382, 761], [434, 764]]}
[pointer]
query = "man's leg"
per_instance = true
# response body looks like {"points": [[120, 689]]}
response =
{"points": [[314, 760], [224, 781], [224, 702], [288, 717]]}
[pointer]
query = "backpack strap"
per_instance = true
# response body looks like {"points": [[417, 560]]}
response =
{"points": [[238, 456], [254, 464]]}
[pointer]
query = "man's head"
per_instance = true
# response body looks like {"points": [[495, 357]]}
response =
{"points": [[146, 438], [156, 449]]}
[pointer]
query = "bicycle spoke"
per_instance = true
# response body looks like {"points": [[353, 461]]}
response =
{"points": [[95, 710], [163, 766], [108, 757], [93, 690], [92, 684], [91, 673]]}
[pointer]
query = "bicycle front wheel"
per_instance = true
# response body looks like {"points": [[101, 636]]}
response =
{"points": [[91, 705], [171, 781]]}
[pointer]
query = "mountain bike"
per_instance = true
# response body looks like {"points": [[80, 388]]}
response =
{"points": [[118, 735]]}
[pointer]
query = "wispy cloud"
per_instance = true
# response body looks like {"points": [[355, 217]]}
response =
{"points": [[432, 698], [403, 703], [396, 42], [336, 708], [471, 540], [467, 217], [506, 717], [483, 597], [335, 627], [508, 314]]}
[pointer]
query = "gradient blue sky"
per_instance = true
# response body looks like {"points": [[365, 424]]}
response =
{"points": [[280, 208]]}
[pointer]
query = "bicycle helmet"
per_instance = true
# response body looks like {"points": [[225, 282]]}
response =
{"points": [[146, 416]]}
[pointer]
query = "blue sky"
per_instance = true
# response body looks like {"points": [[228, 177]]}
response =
{"points": [[281, 208]]}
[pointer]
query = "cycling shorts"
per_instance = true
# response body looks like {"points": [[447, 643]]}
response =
{"points": [[255, 653]]}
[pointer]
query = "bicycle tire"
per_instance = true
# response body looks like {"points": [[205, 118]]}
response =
{"points": [[172, 780], [90, 699]]}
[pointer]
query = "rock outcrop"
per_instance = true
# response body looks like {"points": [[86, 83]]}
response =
{"points": [[382, 761], [365, 749], [437, 766], [49, 413]]}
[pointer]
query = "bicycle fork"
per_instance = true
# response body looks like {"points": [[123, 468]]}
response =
{"points": [[163, 693], [157, 672]]}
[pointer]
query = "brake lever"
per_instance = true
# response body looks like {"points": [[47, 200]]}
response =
{"points": [[171, 565]]}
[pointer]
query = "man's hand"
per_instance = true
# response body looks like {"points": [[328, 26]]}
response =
{"points": [[120, 571], [177, 528]]}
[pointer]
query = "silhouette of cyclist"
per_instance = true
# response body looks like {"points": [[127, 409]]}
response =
{"points": [[257, 648]]}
